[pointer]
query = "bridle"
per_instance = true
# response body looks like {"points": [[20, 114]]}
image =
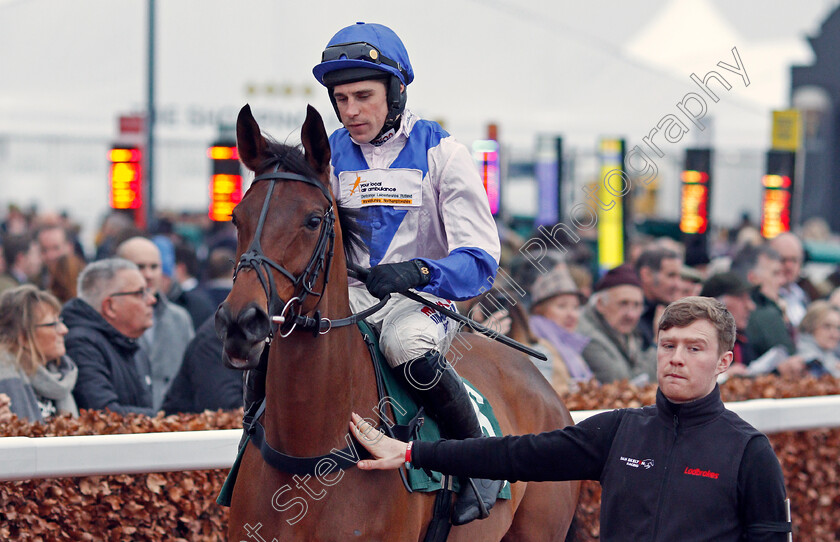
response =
{"points": [[304, 283], [286, 314]]}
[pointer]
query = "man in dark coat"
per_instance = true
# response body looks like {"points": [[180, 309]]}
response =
{"points": [[112, 311], [203, 382]]}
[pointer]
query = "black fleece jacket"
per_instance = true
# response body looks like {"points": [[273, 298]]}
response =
{"points": [[668, 472]]}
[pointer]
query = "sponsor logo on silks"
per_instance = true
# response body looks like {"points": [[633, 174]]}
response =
{"points": [[636, 463], [389, 186], [701, 472], [436, 316], [356, 184]]}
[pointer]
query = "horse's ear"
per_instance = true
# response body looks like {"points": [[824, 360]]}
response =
{"points": [[313, 135], [249, 140]]}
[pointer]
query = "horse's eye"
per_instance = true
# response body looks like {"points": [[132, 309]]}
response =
{"points": [[313, 222]]}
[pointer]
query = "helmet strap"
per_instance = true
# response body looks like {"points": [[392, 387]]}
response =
{"points": [[396, 99], [396, 106]]}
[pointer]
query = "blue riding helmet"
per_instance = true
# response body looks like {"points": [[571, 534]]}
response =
{"points": [[365, 51], [365, 45]]}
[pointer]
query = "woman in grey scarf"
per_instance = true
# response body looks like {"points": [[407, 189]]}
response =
{"points": [[35, 373]]}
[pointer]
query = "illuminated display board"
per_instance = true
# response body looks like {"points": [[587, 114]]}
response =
{"points": [[125, 178], [694, 208], [486, 156], [777, 193], [225, 182], [775, 206]]}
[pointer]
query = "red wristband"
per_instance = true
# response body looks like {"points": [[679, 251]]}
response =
{"points": [[408, 453]]}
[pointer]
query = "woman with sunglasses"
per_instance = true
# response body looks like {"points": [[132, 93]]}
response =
{"points": [[35, 373]]}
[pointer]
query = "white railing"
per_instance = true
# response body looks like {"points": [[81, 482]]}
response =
{"points": [[24, 458]]}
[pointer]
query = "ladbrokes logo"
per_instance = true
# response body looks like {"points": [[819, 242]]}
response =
{"points": [[636, 463], [701, 472]]}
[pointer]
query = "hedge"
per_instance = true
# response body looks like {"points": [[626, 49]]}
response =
{"points": [[181, 506]]}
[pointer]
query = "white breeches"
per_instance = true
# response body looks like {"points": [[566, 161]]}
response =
{"points": [[407, 329]]}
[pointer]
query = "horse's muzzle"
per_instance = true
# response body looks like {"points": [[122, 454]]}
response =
{"points": [[243, 335]]}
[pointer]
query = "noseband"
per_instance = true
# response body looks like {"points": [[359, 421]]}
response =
{"points": [[286, 312]]}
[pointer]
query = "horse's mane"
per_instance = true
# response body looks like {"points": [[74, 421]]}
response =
{"points": [[291, 158]]}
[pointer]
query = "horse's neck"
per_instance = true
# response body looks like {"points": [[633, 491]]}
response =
{"points": [[312, 385]]}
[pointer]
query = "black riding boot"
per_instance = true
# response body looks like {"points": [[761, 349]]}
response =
{"points": [[434, 383], [253, 392]]}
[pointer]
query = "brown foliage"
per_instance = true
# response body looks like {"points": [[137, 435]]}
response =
{"points": [[178, 506]]}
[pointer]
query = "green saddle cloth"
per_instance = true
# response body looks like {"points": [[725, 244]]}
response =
{"points": [[404, 409]]}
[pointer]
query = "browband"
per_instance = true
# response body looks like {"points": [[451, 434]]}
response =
{"points": [[282, 175]]}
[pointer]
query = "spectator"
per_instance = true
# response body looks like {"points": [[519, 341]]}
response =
{"points": [[203, 381], [582, 278], [16, 223], [64, 275], [792, 255], [525, 269], [54, 243], [762, 267], [735, 293], [555, 313], [685, 468], [610, 320], [58, 254], [659, 272], [23, 261], [116, 227], [180, 284], [166, 341], [112, 311], [35, 371], [691, 282], [219, 274], [819, 338], [512, 319]]}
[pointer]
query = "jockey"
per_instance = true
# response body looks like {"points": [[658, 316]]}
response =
{"points": [[426, 223]]}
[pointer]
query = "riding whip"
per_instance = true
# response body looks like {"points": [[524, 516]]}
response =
{"points": [[361, 273]]}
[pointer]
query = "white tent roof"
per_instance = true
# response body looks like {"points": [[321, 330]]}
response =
{"points": [[544, 66]]}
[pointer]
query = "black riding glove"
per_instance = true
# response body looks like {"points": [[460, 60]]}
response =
{"points": [[388, 278]]}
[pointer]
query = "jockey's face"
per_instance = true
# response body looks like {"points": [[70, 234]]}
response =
{"points": [[363, 108]]}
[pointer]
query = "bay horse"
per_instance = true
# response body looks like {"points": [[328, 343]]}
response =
{"points": [[286, 234]]}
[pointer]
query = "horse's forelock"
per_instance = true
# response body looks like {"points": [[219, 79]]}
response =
{"points": [[290, 158]]}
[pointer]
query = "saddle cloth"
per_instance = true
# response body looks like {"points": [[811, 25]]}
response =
{"points": [[398, 401]]}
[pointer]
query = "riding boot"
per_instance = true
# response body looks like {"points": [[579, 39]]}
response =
{"points": [[437, 387], [253, 392]]}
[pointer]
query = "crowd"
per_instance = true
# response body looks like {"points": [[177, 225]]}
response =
{"points": [[130, 326], [603, 327], [124, 328]]}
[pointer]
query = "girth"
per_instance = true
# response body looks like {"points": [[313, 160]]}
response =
{"points": [[344, 458]]}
